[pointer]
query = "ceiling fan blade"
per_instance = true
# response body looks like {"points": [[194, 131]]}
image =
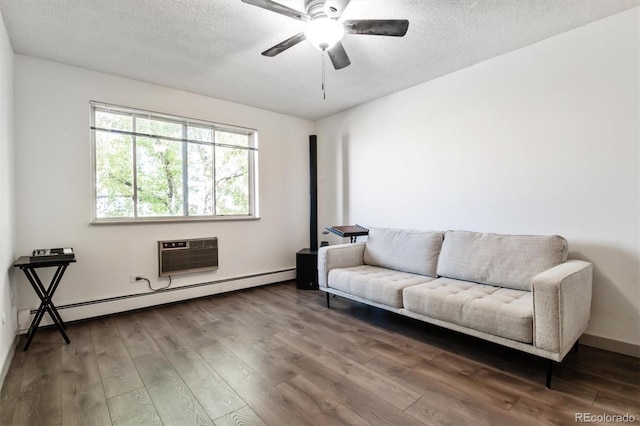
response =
{"points": [[279, 8], [281, 47], [383, 27], [334, 8], [338, 56]]}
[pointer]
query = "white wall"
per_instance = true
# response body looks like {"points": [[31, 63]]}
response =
{"points": [[543, 140], [53, 191], [7, 216]]}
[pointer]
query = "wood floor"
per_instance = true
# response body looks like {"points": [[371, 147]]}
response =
{"points": [[275, 355]]}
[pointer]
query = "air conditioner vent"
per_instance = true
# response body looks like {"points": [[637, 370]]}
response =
{"points": [[184, 256]]}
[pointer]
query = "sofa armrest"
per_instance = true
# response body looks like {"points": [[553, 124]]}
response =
{"points": [[338, 256], [561, 305]]}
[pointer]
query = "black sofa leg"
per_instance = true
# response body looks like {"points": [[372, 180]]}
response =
{"points": [[576, 348], [328, 301], [549, 373]]}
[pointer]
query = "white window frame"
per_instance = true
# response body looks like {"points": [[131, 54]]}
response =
{"points": [[252, 150]]}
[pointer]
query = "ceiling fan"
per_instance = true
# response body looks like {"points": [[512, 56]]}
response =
{"points": [[324, 30]]}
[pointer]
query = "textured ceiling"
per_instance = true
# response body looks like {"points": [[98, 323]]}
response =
{"points": [[212, 47]]}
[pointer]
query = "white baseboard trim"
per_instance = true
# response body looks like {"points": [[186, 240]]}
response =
{"points": [[611, 345], [6, 362]]}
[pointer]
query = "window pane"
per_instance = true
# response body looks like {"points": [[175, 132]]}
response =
{"points": [[159, 173], [231, 138], [113, 121], [114, 175], [202, 134], [232, 181], [156, 127], [200, 179]]}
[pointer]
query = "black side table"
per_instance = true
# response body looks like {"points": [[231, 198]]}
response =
{"points": [[29, 265]]}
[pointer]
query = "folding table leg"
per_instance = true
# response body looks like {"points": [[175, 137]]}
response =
{"points": [[46, 304], [34, 326], [52, 289]]}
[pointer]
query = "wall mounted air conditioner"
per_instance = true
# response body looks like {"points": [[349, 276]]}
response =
{"points": [[184, 256]]}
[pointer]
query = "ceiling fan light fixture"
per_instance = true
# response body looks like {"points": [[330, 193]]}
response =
{"points": [[324, 33]]}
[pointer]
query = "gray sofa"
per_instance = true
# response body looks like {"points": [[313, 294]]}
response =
{"points": [[519, 291]]}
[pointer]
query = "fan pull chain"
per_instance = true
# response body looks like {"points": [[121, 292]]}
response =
{"points": [[324, 93]]}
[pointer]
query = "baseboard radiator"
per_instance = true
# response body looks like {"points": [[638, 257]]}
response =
{"points": [[176, 289], [185, 256]]}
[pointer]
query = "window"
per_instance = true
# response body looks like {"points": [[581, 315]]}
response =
{"points": [[150, 167]]}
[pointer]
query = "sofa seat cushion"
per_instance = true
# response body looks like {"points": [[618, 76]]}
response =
{"points": [[498, 311], [380, 285]]}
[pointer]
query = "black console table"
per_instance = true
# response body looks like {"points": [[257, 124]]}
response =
{"points": [[29, 264]]}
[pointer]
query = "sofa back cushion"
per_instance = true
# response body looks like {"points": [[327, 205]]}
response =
{"points": [[509, 261], [404, 250]]}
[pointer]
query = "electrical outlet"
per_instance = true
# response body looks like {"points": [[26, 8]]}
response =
{"points": [[24, 318], [132, 278]]}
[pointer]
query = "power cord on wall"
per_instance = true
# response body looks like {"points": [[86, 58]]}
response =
{"points": [[149, 283]]}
